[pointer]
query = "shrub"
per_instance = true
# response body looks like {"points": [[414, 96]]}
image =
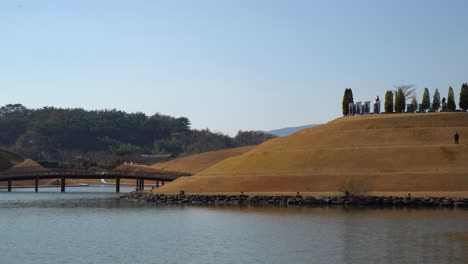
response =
{"points": [[356, 187]]}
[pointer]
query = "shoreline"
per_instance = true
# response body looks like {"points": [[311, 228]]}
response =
{"points": [[419, 194], [298, 200]]}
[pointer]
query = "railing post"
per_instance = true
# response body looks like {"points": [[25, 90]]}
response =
{"points": [[9, 185], [36, 185], [117, 185], [62, 185], [162, 183]]}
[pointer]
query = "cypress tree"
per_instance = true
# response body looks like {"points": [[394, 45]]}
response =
{"points": [[347, 98], [464, 97], [414, 104], [400, 101], [426, 100], [436, 100], [388, 102], [344, 104], [451, 106]]}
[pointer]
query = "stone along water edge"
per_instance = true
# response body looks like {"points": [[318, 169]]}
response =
{"points": [[297, 200]]}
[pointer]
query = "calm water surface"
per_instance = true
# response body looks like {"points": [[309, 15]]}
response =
{"points": [[89, 225]]}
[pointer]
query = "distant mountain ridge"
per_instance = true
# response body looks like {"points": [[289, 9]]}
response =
{"points": [[282, 132]]}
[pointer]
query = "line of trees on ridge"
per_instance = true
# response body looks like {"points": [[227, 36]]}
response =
{"points": [[395, 100]]}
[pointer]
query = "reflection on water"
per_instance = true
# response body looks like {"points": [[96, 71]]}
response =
{"points": [[90, 225]]}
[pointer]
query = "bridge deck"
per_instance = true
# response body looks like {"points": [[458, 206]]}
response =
{"points": [[64, 174], [91, 174]]}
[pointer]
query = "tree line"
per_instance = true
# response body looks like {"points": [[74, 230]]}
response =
{"points": [[395, 100], [74, 135]]}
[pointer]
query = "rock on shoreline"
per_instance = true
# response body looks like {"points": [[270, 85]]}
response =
{"points": [[298, 200]]}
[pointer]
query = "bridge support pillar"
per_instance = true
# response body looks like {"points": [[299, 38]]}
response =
{"points": [[62, 185], [162, 183], [117, 185], [36, 185], [9, 185], [157, 184], [142, 185]]}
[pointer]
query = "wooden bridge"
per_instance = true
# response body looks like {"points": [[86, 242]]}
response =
{"points": [[63, 174]]}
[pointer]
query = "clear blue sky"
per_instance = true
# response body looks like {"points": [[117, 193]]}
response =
{"points": [[227, 65]]}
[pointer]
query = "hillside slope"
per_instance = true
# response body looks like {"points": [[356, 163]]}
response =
{"points": [[9, 159], [197, 163], [397, 152]]}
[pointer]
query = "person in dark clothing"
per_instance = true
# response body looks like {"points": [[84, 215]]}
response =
{"points": [[456, 137]]}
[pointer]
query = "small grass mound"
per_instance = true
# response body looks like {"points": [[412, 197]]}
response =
{"points": [[26, 165]]}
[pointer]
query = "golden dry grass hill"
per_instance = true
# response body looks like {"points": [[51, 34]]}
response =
{"points": [[197, 163], [392, 152], [26, 165]]}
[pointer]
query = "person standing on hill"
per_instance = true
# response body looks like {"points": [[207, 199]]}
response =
{"points": [[456, 137]]}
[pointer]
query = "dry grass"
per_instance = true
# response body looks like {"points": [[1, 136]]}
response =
{"points": [[397, 153], [133, 167], [27, 165], [197, 163]]}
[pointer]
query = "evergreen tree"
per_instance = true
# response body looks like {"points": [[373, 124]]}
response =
{"points": [[400, 101], [408, 90], [464, 97], [426, 100], [347, 98], [436, 100], [414, 104], [388, 102], [451, 106]]}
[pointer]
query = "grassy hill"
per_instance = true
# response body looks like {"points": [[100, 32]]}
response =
{"points": [[393, 153], [9, 159], [197, 163]]}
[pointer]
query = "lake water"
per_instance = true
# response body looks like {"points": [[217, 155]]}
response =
{"points": [[89, 225]]}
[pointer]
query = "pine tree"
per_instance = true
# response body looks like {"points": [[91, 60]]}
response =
{"points": [[464, 97], [436, 100], [451, 106], [389, 102], [426, 100], [347, 98], [414, 104], [400, 101]]}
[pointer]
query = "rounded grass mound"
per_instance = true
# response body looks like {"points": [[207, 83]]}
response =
{"points": [[391, 153], [27, 165]]}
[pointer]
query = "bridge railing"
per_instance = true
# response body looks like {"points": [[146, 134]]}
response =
{"points": [[163, 175]]}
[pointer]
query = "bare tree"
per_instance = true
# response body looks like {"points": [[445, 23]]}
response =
{"points": [[409, 91]]}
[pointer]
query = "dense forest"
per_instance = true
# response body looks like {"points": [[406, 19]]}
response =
{"points": [[110, 136]]}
